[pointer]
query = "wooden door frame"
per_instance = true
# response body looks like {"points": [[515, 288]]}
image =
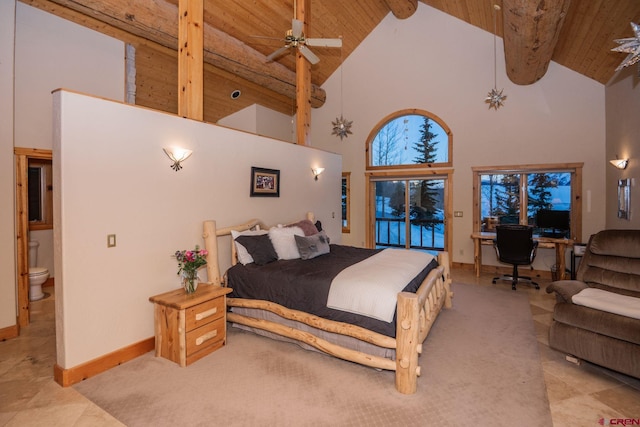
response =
{"points": [[22, 157], [445, 173]]}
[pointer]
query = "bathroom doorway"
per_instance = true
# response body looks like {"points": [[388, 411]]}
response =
{"points": [[23, 157]]}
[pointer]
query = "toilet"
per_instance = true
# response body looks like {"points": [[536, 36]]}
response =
{"points": [[37, 275]]}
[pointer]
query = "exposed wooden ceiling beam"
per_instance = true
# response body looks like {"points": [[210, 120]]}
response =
{"points": [[190, 62], [157, 21], [303, 80], [402, 9], [531, 30]]}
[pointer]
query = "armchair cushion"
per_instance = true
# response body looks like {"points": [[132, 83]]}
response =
{"points": [[598, 322], [610, 302], [566, 289], [612, 262]]}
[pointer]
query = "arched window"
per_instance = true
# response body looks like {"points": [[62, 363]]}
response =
{"points": [[408, 174], [409, 138]]}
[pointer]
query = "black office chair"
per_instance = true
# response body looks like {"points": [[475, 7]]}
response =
{"points": [[514, 245]]}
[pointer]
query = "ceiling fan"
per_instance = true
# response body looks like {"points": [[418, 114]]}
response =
{"points": [[295, 38]]}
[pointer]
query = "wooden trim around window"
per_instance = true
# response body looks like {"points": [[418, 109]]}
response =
{"points": [[576, 190], [407, 112], [347, 228]]}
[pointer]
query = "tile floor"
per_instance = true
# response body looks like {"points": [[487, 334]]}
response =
{"points": [[579, 395]]}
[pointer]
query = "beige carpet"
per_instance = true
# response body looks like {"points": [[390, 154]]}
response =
{"points": [[480, 367]]}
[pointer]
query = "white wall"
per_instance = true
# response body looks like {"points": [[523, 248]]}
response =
{"points": [[440, 64], [261, 121], [53, 53], [114, 178], [623, 141], [7, 185]]}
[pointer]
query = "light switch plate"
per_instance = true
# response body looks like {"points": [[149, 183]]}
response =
{"points": [[111, 240], [457, 214]]}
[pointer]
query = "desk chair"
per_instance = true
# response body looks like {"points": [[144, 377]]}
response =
{"points": [[514, 245]]}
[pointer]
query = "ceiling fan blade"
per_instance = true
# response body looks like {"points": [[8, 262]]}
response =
{"points": [[306, 52], [277, 53], [296, 28], [324, 42]]}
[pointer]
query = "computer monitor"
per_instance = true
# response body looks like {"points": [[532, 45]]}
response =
{"points": [[555, 223]]}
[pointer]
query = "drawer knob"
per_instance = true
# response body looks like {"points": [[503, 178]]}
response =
{"points": [[205, 314], [206, 337]]}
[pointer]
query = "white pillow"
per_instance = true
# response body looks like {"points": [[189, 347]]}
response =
{"points": [[284, 242], [243, 256]]}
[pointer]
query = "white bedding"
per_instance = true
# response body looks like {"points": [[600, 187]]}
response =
{"points": [[370, 287], [609, 302]]}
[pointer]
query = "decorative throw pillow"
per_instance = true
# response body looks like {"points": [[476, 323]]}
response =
{"points": [[284, 242], [259, 247], [312, 246], [243, 256], [307, 227]]}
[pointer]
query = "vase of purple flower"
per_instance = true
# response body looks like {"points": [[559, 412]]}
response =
{"points": [[189, 261]]}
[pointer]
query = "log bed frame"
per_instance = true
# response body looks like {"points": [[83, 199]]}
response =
{"points": [[416, 314]]}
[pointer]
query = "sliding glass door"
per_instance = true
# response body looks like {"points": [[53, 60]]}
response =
{"points": [[410, 213]]}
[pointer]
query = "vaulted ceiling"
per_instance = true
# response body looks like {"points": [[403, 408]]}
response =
{"points": [[239, 35]]}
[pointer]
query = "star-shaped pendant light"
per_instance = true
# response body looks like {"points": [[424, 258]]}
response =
{"points": [[495, 98], [631, 46], [341, 127]]}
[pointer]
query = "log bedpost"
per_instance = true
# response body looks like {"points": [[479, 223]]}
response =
{"points": [[211, 244], [407, 343], [443, 259]]}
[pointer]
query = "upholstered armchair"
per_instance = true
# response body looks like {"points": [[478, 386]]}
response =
{"points": [[597, 316]]}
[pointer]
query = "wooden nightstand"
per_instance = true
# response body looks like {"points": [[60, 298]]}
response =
{"points": [[188, 327]]}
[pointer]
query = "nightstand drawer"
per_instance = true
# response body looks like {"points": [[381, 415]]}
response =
{"points": [[204, 313], [205, 336], [190, 326]]}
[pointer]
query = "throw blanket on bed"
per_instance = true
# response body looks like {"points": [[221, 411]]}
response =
{"points": [[608, 301], [370, 287]]}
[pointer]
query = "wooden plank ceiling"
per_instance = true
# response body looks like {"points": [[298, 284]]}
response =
{"points": [[238, 36]]}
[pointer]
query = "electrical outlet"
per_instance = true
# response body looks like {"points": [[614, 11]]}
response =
{"points": [[111, 240], [457, 214]]}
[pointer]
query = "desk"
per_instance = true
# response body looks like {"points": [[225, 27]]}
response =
{"points": [[486, 238]]}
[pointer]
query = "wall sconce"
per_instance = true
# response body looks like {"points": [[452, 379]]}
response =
{"points": [[177, 156], [317, 172], [620, 163]]}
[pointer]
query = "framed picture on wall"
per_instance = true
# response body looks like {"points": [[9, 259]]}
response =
{"points": [[265, 182]]}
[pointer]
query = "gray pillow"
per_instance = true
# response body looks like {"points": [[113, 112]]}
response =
{"points": [[312, 246], [259, 247]]}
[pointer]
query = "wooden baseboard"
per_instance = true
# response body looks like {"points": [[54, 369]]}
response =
{"points": [[461, 266], [9, 332], [67, 377]]}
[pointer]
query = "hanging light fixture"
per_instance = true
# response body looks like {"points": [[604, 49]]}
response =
{"points": [[342, 126], [495, 98], [632, 47]]}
